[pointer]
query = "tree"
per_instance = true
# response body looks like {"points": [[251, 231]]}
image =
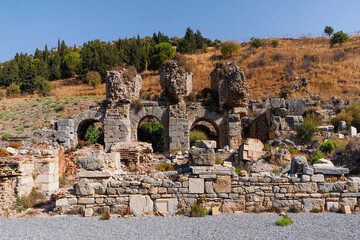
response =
{"points": [[188, 43], [162, 52], [93, 78], [339, 37], [328, 30], [228, 48], [70, 64]]}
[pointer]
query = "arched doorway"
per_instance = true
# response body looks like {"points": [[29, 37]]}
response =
{"points": [[151, 130], [96, 126], [208, 127]]}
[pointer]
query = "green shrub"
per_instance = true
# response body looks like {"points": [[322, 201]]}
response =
{"points": [[343, 116], [197, 210], [94, 135], [351, 116], [274, 43], [284, 221], [217, 160], [228, 48], [197, 135], [5, 136], [339, 38], [42, 85], [317, 155], [256, 42], [327, 146], [152, 133], [93, 78], [306, 131], [13, 90]]}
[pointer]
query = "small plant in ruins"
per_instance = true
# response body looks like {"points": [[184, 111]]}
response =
{"points": [[4, 153], [34, 199], [165, 167], [327, 146], [197, 210], [293, 209], [105, 215], [316, 210], [16, 145], [306, 131], [284, 221], [197, 135], [94, 135], [217, 160]]}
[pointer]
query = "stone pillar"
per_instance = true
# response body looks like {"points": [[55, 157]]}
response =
{"points": [[179, 127], [234, 126], [65, 132], [117, 125], [122, 88]]}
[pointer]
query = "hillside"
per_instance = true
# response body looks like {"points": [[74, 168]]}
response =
{"points": [[270, 71]]}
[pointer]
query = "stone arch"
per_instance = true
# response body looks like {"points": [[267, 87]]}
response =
{"points": [[84, 119], [197, 124], [214, 118], [136, 116]]}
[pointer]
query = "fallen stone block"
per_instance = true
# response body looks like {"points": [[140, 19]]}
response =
{"points": [[346, 209]]}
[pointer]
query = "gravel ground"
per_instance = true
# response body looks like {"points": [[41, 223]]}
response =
{"points": [[240, 226]]}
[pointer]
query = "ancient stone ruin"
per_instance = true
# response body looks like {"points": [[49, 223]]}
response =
{"points": [[124, 176]]}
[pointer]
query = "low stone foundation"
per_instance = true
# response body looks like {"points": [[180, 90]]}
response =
{"points": [[220, 186]]}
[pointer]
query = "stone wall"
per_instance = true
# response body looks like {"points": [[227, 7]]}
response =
{"points": [[219, 185]]}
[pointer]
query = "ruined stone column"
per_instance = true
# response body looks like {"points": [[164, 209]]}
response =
{"points": [[122, 87], [230, 89], [177, 85]]}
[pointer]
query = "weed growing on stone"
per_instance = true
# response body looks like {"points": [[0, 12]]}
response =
{"points": [[217, 160], [316, 210], [105, 215], [165, 167], [284, 221], [293, 209]]}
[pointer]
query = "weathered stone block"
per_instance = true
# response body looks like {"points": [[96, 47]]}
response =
{"points": [[202, 156], [317, 178], [209, 188], [196, 185], [205, 144], [140, 204], [313, 203], [222, 184]]}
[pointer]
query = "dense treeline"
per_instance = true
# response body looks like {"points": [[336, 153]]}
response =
{"points": [[31, 71]]}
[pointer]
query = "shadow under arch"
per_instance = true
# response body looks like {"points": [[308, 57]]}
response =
{"points": [[209, 127]]}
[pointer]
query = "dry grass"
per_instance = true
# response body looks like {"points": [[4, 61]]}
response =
{"points": [[73, 87], [269, 71]]}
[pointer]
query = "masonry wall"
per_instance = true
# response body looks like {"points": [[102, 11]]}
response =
{"points": [[228, 191]]}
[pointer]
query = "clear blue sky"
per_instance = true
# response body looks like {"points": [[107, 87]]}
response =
{"points": [[30, 24]]}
